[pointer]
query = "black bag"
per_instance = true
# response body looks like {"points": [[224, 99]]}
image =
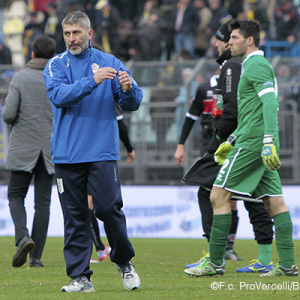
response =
{"points": [[203, 172]]}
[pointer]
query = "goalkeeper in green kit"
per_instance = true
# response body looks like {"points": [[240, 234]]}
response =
{"points": [[249, 157]]}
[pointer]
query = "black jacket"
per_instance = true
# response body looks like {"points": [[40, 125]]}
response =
{"points": [[228, 81], [201, 106]]}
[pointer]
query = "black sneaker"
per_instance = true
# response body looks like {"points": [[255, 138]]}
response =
{"points": [[25, 245], [36, 262]]}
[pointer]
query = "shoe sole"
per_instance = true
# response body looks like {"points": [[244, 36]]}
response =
{"points": [[131, 289], [255, 272], [21, 257], [36, 266], [207, 275], [63, 290]]}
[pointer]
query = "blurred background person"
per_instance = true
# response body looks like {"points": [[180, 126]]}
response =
{"points": [[185, 26], [27, 109], [5, 54], [202, 39], [286, 21]]}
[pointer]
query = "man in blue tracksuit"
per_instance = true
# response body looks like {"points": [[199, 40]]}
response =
{"points": [[83, 84]]}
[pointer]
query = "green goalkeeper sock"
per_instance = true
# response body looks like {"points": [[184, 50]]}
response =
{"points": [[284, 239], [265, 253], [218, 237]]}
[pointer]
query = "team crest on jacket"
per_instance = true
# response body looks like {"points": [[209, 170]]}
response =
{"points": [[95, 67]]}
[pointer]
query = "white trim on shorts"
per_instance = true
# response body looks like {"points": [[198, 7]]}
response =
{"points": [[230, 167]]}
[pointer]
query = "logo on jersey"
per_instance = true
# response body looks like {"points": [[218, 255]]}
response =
{"points": [[268, 83], [95, 67]]}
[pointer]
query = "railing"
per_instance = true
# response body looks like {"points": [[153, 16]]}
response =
{"points": [[281, 48], [154, 129]]}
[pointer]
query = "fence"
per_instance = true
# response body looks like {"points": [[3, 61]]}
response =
{"points": [[154, 129]]}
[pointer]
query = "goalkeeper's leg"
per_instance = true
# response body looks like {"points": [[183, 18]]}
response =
{"points": [[220, 199], [283, 230]]}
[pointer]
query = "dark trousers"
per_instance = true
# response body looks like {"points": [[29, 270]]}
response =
{"points": [[261, 222], [103, 178], [17, 190], [206, 211]]}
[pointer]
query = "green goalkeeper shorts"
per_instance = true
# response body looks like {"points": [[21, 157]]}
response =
{"points": [[243, 172]]}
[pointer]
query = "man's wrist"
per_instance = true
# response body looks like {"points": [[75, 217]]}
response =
{"points": [[268, 139], [126, 90]]}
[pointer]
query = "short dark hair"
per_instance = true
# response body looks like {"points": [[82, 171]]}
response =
{"points": [[247, 28], [44, 47]]}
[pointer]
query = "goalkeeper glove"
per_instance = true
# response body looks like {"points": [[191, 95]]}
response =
{"points": [[269, 155], [224, 149]]}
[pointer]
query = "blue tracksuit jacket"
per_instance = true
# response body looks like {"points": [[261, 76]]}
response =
{"points": [[85, 127]]}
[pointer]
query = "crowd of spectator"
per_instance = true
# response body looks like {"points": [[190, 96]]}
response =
{"points": [[146, 30]]}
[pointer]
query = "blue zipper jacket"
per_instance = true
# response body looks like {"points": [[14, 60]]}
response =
{"points": [[85, 127]]}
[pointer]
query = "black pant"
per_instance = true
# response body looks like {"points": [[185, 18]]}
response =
{"points": [[17, 190], [261, 222], [206, 211], [103, 179]]}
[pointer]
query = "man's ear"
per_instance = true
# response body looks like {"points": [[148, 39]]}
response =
{"points": [[33, 54], [250, 41], [90, 33]]}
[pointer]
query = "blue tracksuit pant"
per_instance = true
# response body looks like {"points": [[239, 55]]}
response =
{"points": [[103, 178]]}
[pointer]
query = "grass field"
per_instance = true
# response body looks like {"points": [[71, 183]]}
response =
{"points": [[160, 264]]}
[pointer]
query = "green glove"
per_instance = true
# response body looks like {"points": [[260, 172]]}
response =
{"points": [[269, 154], [224, 149]]}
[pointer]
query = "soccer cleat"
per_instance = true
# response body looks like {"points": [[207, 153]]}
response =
{"points": [[206, 268], [256, 267], [104, 254], [36, 262], [130, 277], [197, 263], [25, 245], [231, 255], [79, 285], [282, 271]]}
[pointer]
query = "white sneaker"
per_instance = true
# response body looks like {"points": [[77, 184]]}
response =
{"points": [[130, 277], [79, 284]]}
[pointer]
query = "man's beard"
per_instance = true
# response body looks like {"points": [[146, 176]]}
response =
{"points": [[81, 49]]}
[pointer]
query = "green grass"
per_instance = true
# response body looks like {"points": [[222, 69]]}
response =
{"points": [[160, 264]]}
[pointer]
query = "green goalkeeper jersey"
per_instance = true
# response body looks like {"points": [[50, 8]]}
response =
{"points": [[258, 103]]}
